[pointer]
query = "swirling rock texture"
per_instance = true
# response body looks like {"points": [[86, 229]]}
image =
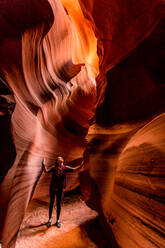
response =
{"points": [[127, 148], [137, 202], [54, 56]]}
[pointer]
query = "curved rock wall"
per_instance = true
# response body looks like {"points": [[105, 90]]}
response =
{"points": [[50, 63], [138, 198]]}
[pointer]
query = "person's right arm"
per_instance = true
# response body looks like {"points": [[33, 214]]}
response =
{"points": [[47, 170]]}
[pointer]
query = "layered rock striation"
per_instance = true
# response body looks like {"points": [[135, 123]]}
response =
{"points": [[58, 58]]}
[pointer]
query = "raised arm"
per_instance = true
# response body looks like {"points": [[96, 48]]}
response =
{"points": [[47, 170], [69, 168]]}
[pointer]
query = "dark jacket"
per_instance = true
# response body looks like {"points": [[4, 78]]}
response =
{"points": [[59, 181]]}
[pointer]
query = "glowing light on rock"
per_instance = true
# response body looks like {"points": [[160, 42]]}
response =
{"points": [[55, 100], [54, 56], [84, 40]]}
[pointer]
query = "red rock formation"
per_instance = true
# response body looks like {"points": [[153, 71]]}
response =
{"points": [[137, 202], [136, 81], [126, 159], [121, 26], [57, 85], [50, 117]]}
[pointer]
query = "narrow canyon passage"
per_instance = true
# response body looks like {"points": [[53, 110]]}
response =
{"points": [[80, 225], [82, 81]]}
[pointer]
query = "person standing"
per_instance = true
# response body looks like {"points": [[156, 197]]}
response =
{"points": [[57, 184]]}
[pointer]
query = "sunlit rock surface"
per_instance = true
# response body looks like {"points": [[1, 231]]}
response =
{"points": [[54, 57], [52, 110], [127, 168], [137, 203]]}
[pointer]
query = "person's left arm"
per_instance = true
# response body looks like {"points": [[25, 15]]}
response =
{"points": [[71, 169]]}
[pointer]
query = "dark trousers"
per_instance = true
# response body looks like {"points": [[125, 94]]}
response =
{"points": [[58, 194]]}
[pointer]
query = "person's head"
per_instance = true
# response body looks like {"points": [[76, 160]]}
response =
{"points": [[59, 161]]}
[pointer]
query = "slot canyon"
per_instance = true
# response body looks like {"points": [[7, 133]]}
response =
{"points": [[83, 79]]}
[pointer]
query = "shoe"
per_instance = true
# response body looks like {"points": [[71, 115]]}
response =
{"points": [[49, 223], [58, 223]]}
